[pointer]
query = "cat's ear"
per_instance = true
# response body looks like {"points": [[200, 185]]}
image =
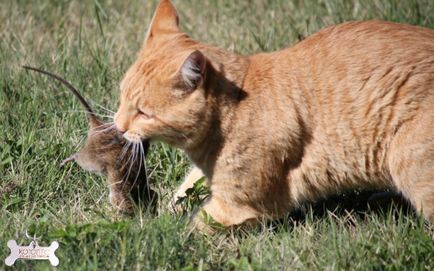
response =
{"points": [[164, 21], [193, 69]]}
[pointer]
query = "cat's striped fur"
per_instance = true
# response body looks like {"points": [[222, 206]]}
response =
{"points": [[351, 106]]}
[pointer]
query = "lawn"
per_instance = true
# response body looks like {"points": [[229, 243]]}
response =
{"points": [[92, 43]]}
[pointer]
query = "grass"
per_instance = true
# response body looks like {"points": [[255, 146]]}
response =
{"points": [[92, 43]]}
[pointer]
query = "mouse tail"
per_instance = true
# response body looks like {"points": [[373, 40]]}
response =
{"points": [[93, 119]]}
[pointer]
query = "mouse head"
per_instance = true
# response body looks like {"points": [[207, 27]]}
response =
{"points": [[101, 149], [106, 151]]}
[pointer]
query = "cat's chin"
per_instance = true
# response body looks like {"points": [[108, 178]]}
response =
{"points": [[133, 137]]}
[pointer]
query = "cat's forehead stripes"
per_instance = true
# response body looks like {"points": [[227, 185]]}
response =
{"points": [[146, 72], [158, 61]]}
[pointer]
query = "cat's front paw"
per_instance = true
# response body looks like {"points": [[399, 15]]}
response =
{"points": [[174, 207], [188, 197], [202, 222]]}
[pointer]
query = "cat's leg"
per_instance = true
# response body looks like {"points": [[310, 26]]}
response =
{"points": [[221, 211], [192, 177], [411, 163]]}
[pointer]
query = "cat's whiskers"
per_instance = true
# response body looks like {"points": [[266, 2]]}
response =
{"points": [[85, 112], [124, 178], [133, 159], [139, 152], [143, 155], [103, 108], [106, 129], [124, 150], [102, 126], [131, 153]]}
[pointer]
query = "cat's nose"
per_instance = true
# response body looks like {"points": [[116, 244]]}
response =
{"points": [[120, 129], [118, 124]]}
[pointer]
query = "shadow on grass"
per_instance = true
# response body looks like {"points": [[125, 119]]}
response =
{"points": [[359, 204]]}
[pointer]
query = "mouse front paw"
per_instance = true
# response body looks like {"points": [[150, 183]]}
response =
{"points": [[121, 203]]}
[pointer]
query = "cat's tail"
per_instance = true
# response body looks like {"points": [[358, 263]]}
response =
{"points": [[95, 121]]}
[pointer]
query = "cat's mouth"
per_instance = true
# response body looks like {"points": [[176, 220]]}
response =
{"points": [[132, 137]]}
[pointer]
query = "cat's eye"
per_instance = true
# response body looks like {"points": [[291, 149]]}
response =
{"points": [[143, 114]]}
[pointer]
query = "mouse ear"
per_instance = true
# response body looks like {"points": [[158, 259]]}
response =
{"points": [[94, 121]]}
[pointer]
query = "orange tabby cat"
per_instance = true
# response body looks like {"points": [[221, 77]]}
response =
{"points": [[351, 106]]}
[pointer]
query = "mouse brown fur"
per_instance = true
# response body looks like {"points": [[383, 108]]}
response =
{"points": [[107, 152]]}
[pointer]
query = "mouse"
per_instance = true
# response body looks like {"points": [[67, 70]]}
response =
{"points": [[108, 153]]}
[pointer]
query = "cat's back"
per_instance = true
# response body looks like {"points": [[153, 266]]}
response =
{"points": [[360, 46], [356, 84], [349, 58], [360, 69], [362, 36]]}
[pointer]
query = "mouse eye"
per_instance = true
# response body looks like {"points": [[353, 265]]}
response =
{"points": [[114, 140]]}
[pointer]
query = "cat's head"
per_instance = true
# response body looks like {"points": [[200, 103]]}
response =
{"points": [[162, 94]]}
